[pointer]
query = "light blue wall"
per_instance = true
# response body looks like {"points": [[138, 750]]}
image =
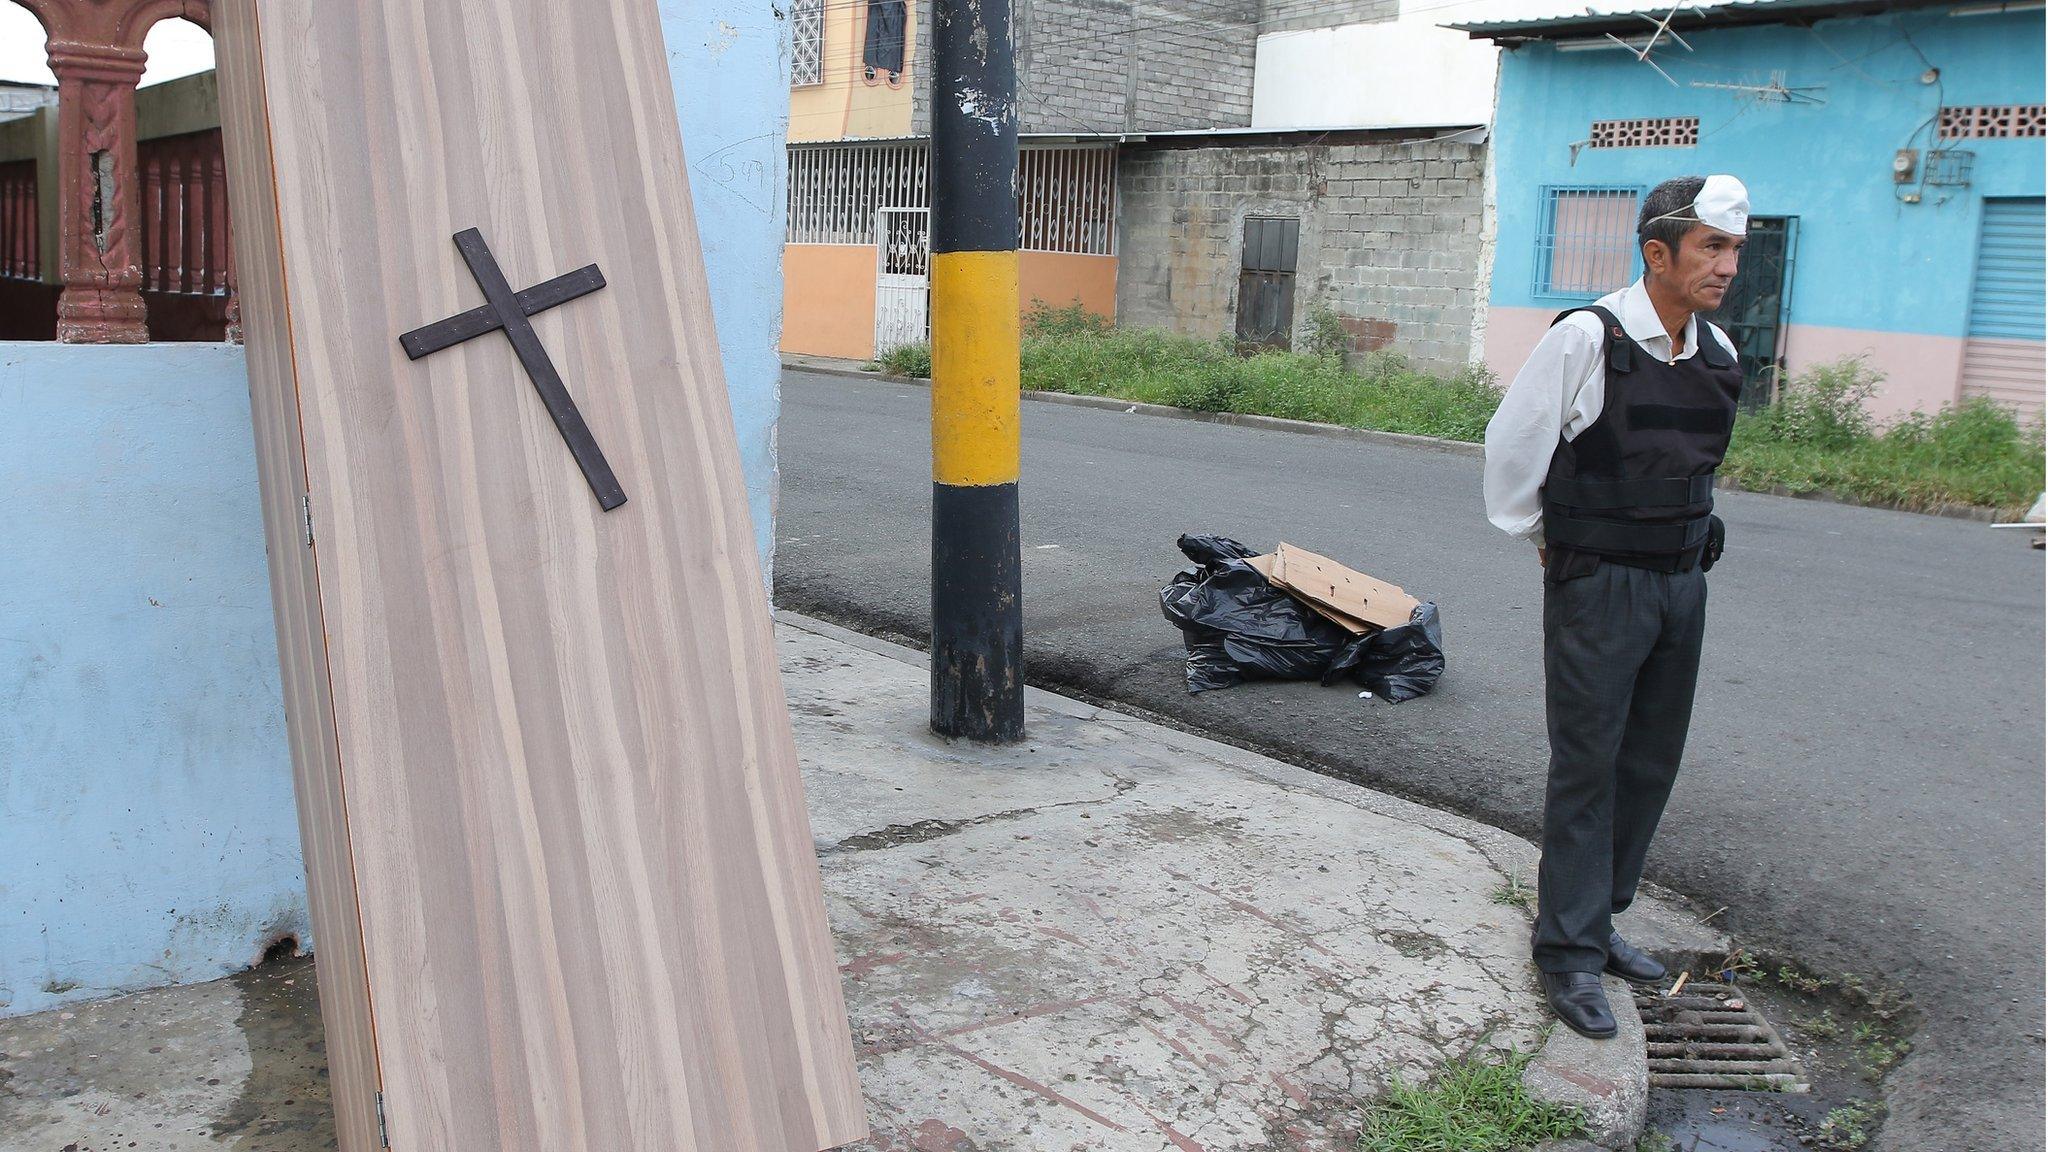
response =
{"points": [[1864, 260], [729, 62], [147, 829], [147, 834]]}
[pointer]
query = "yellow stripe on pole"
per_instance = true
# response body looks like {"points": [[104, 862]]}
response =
{"points": [[976, 417]]}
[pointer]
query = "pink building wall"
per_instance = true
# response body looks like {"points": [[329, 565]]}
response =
{"points": [[1921, 372]]}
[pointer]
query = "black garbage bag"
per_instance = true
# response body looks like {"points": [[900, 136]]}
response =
{"points": [[1237, 627], [1399, 663]]}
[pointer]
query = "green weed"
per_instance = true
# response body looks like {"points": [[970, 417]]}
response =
{"points": [[907, 360], [1847, 1127], [1515, 894], [1876, 1048], [1475, 1104], [1799, 981]]}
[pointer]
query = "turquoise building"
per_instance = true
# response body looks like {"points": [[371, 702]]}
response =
{"points": [[1893, 153]]}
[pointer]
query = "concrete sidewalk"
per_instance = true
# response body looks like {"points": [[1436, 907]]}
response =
{"points": [[1115, 936]]}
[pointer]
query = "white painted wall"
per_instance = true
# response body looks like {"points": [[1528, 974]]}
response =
{"points": [[1409, 72], [1395, 74]]}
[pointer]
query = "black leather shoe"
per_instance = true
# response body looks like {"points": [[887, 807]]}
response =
{"points": [[1578, 1000], [1632, 963]]}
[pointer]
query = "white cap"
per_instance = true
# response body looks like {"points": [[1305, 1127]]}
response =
{"points": [[1723, 203]]}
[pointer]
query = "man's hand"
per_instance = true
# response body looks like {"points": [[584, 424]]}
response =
{"points": [[1543, 555]]}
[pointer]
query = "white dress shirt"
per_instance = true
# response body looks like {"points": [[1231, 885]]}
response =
{"points": [[1561, 391]]}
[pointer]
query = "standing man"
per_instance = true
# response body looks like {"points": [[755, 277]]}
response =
{"points": [[1603, 454]]}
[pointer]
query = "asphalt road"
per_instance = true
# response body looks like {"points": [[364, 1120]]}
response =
{"points": [[1864, 783]]}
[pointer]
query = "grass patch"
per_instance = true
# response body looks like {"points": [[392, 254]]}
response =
{"points": [[907, 360], [1070, 350], [1515, 894], [1475, 1104], [1818, 437]]}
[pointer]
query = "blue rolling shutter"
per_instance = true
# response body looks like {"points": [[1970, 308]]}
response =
{"points": [[2008, 297], [2003, 360]]}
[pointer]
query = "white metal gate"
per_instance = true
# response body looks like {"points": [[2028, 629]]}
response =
{"points": [[903, 278]]}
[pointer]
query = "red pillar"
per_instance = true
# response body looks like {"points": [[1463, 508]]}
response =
{"points": [[99, 205], [96, 52]]}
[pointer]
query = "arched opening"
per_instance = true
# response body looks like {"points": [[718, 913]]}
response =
{"points": [[185, 250], [28, 179], [177, 48]]}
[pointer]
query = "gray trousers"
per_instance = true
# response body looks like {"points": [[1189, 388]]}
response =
{"points": [[1621, 656]]}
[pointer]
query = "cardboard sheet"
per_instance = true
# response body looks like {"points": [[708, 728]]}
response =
{"points": [[1346, 597]]}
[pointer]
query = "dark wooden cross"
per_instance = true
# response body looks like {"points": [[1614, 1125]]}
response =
{"points": [[509, 310]]}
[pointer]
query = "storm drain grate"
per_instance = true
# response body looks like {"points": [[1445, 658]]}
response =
{"points": [[1708, 1036]]}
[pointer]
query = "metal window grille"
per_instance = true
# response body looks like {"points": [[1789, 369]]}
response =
{"points": [[20, 226], [1066, 197], [835, 190], [1586, 240], [807, 61], [1994, 121], [1066, 200], [1668, 132]]}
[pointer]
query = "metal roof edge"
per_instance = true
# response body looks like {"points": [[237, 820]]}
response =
{"points": [[1688, 19]]}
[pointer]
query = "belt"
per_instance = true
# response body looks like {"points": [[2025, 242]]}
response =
{"points": [[1609, 537]]}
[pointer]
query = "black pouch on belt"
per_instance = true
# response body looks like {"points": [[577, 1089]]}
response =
{"points": [[1717, 536]]}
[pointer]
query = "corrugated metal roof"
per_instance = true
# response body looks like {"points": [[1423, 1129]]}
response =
{"points": [[1690, 17]]}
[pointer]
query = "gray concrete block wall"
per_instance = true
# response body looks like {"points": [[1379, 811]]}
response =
{"points": [[1298, 15], [1390, 239], [1089, 67]]}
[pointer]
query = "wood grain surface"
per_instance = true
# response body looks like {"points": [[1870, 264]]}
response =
{"points": [[543, 753], [295, 593]]}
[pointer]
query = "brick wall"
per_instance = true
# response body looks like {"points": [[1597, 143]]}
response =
{"points": [[1390, 239], [1114, 66], [1296, 15]]}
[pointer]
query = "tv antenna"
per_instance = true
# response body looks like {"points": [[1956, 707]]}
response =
{"points": [[1775, 91], [1658, 30]]}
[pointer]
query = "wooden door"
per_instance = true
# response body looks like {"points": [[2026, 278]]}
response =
{"points": [[1265, 282], [564, 887]]}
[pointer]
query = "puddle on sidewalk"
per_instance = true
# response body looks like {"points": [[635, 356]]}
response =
{"points": [[236, 1064], [284, 1104]]}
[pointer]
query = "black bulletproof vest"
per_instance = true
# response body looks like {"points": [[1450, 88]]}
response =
{"points": [[1637, 485]]}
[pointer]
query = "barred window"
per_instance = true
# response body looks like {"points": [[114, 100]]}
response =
{"points": [[1066, 199], [1668, 132], [1586, 240], [836, 190], [1994, 121], [807, 64]]}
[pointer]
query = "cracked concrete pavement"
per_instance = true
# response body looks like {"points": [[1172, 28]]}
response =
{"points": [[1112, 936]]}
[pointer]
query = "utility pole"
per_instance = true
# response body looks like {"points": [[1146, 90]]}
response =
{"points": [[977, 656]]}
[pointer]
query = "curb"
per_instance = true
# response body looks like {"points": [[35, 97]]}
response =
{"points": [[1607, 1081], [1169, 412], [1367, 436]]}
